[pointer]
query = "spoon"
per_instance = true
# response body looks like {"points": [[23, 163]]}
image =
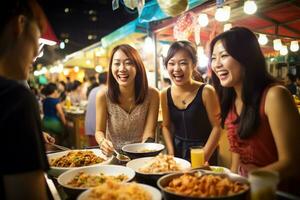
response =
{"points": [[121, 157]]}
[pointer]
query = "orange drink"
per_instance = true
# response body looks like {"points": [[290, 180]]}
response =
{"points": [[197, 156]]}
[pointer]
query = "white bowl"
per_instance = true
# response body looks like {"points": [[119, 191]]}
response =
{"points": [[135, 150], [155, 193], [56, 171], [109, 170], [151, 178]]}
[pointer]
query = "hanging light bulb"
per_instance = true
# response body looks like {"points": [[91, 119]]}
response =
{"points": [[294, 46], [66, 72], [227, 26], [148, 45], [88, 62], [76, 69], [262, 39], [219, 14], [250, 7], [277, 44], [62, 45], [99, 68], [165, 49], [203, 20], [222, 13], [283, 50], [202, 58], [227, 10]]}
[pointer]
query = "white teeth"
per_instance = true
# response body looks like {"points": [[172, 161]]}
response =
{"points": [[222, 73]]}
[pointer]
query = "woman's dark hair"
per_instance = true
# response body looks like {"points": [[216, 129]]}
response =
{"points": [[140, 82], [49, 89], [242, 45], [102, 78], [192, 52]]}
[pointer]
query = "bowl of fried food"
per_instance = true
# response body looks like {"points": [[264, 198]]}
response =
{"points": [[73, 159], [139, 150], [149, 169], [78, 180], [124, 191], [201, 185]]}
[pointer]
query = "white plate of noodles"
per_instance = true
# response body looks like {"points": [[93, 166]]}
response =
{"points": [[73, 159], [124, 191]]}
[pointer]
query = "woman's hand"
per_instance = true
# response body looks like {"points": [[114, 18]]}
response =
{"points": [[106, 146], [48, 138]]}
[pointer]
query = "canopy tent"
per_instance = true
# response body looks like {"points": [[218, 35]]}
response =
{"points": [[276, 18], [48, 37]]}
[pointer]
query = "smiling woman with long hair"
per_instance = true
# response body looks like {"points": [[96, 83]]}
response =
{"points": [[260, 115], [127, 111], [190, 108]]}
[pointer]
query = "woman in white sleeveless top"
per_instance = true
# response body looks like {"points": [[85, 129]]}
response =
{"points": [[127, 111]]}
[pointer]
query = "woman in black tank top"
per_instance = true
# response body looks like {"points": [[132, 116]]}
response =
{"points": [[190, 109]]}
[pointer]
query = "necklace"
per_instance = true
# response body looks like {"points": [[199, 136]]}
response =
{"points": [[184, 101], [130, 107], [132, 100]]}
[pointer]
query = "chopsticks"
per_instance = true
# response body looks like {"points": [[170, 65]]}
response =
{"points": [[59, 147]]}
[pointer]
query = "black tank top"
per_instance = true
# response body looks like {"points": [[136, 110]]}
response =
{"points": [[191, 124]]}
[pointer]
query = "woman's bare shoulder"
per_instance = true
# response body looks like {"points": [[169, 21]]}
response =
{"points": [[101, 94], [277, 91], [153, 91]]}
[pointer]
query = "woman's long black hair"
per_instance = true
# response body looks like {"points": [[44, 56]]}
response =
{"points": [[242, 45]]}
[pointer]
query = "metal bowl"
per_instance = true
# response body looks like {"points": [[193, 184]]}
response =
{"points": [[110, 170], [139, 150], [169, 195], [151, 178]]}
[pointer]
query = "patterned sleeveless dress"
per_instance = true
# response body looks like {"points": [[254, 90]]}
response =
{"points": [[123, 127]]}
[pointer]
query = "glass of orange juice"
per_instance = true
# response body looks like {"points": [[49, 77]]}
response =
{"points": [[197, 156]]}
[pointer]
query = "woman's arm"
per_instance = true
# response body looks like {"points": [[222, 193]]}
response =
{"points": [[166, 124], [284, 121], [212, 107], [101, 118], [151, 120], [61, 113]]}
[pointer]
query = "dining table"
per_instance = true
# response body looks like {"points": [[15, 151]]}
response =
{"points": [[56, 191]]}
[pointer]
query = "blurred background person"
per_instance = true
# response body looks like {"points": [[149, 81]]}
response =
{"points": [[90, 115], [68, 84], [290, 83], [298, 85], [61, 87], [92, 84], [75, 93], [23, 167], [54, 118], [166, 82]]}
